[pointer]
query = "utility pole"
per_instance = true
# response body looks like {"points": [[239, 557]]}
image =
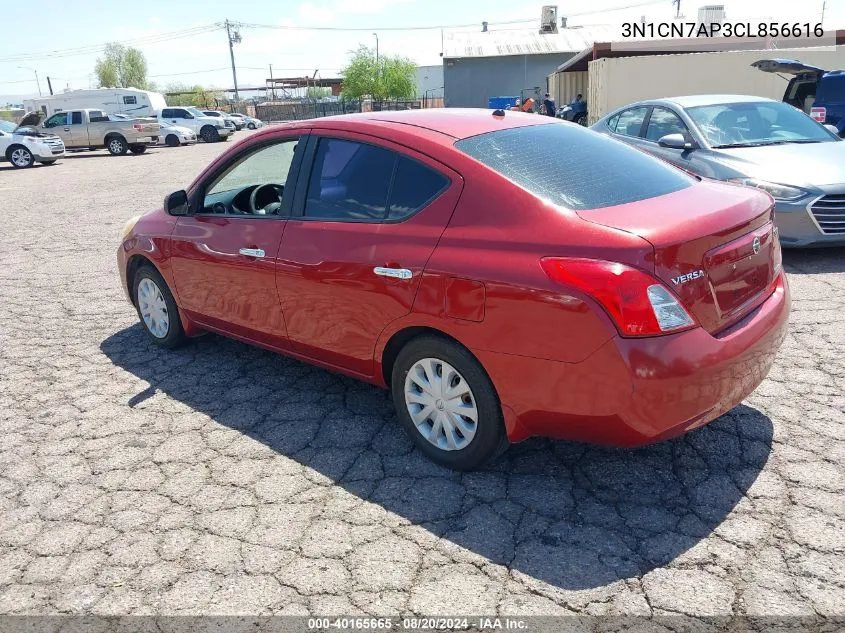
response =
{"points": [[49, 85], [678, 12], [36, 77], [824, 6], [234, 38], [273, 83]]}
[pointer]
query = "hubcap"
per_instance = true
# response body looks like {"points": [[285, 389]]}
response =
{"points": [[21, 157], [153, 308], [115, 146], [441, 404]]}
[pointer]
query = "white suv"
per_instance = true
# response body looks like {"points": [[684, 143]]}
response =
{"points": [[205, 127], [25, 146]]}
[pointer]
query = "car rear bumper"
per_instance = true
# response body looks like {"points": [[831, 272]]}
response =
{"points": [[632, 392]]}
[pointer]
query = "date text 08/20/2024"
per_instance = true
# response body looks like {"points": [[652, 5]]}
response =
{"points": [[417, 624]]}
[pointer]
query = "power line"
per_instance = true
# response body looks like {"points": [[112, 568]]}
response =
{"points": [[96, 48]]}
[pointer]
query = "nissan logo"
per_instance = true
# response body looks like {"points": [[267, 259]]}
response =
{"points": [[756, 245]]}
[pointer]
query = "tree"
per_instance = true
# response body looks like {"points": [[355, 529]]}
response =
{"points": [[389, 77], [121, 67], [315, 92]]}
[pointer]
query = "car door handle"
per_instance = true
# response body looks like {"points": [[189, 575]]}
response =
{"points": [[397, 273], [67, 129], [252, 252]]}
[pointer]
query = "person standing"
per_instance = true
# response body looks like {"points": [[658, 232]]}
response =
{"points": [[549, 104]]}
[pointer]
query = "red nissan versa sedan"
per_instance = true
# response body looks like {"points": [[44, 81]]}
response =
{"points": [[504, 274]]}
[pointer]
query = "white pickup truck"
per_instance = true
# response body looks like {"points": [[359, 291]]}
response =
{"points": [[92, 129], [207, 128]]}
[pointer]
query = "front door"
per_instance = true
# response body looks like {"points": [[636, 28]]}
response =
{"points": [[224, 255], [59, 124], [367, 217], [662, 122]]}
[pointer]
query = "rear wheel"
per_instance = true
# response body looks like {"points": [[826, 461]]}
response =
{"points": [[117, 145], [172, 140], [157, 308], [137, 149], [581, 119], [210, 134], [447, 403], [251, 126], [20, 157]]}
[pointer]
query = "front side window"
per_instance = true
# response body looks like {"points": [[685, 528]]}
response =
{"points": [[630, 122], [748, 124], [663, 122], [602, 172], [349, 181], [131, 100], [262, 172], [57, 119]]}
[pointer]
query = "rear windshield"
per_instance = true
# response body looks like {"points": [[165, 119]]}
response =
{"points": [[573, 167]]}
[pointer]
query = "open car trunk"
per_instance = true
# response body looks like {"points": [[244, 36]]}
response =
{"points": [[714, 246]]}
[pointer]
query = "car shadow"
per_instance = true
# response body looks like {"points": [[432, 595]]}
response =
{"points": [[808, 261], [571, 515]]}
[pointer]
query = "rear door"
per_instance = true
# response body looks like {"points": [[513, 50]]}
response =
{"points": [[368, 214], [79, 128]]}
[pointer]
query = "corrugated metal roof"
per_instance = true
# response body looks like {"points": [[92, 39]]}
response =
{"points": [[501, 43]]}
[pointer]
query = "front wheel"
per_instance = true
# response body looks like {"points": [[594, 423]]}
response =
{"points": [[447, 403], [157, 308], [209, 134], [251, 126], [172, 140], [117, 146], [48, 162], [581, 119], [21, 157], [137, 149]]}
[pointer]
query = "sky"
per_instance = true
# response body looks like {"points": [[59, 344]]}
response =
{"points": [[71, 35]]}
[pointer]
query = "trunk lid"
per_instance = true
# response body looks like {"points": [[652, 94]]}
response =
{"points": [[786, 66], [714, 246]]}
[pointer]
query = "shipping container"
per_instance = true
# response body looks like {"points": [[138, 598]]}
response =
{"points": [[613, 82]]}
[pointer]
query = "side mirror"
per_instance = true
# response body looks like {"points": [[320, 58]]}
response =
{"points": [[176, 203], [832, 128], [675, 141]]}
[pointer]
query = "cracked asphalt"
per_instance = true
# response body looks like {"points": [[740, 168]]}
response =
{"points": [[222, 479]]}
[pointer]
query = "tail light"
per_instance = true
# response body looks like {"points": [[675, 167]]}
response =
{"points": [[639, 304], [138, 126]]}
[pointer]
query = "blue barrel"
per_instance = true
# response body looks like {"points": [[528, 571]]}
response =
{"points": [[503, 103]]}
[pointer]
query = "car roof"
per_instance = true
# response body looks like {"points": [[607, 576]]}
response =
{"points": [[691, 101], [457, 123]]}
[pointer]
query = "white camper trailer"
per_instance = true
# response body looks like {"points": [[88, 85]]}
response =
{"points": [[131, 101]]}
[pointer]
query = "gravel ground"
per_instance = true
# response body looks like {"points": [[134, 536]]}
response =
{"points": [[222, 479]]}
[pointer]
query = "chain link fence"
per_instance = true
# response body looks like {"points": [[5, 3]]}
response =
{"points": [[309, 109]]}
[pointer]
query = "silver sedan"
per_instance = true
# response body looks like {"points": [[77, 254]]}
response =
{"points": [[750, 141]]}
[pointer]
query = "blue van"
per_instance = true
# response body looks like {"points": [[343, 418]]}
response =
{"points": [[820, 93]]}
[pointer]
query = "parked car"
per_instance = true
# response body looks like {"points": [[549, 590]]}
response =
{"points": [[751, 141], [819, 93], [235, 124], [176, 135], [248, 122], [25, 146], [209, 129], [597, 295], [92, 129]]}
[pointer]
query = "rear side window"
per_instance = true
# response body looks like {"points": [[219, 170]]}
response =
{"points": [[167, 113], [130, 100], [349, 181], [414, 186], [832, 90], [76, 118], [630, 122], [579, 168]]}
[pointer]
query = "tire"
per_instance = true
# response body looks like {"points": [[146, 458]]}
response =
{"points": [[137, 149], [171, 140], [153, 297], [423, 361], [117, 145], [209, 134], [250, 126], [20, 157], [49, 162], [581, 119]]}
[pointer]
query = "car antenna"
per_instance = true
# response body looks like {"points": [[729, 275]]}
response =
{"points": [[499, 112]]}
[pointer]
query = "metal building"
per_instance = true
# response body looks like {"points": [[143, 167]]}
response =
{"points": [[484, 64]]}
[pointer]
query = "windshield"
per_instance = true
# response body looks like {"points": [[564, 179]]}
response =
{"points": [[195, 111], [756, 123], [573, 167], [7, 126]]}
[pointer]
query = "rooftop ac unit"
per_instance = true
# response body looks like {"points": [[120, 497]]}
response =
{"points": [[548, 19]]}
